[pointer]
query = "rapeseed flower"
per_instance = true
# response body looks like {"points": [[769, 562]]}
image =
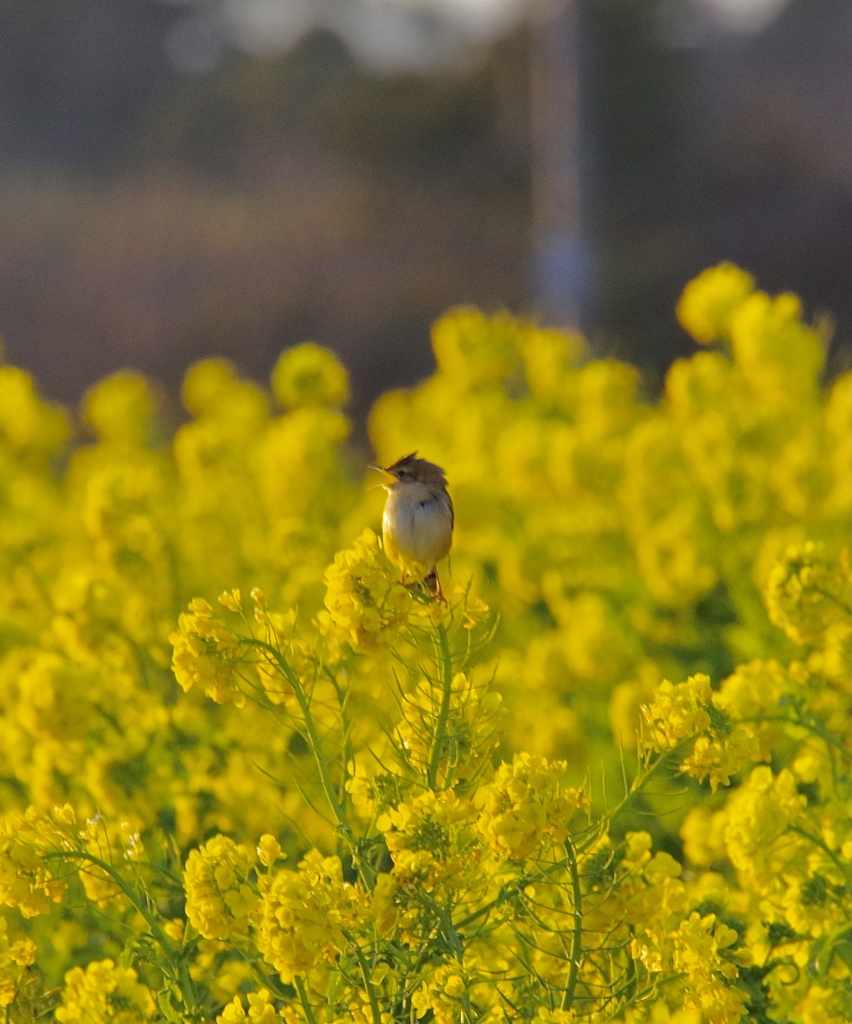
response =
{"points": [[526, 804], [707, 302], [206, 654], [219, 897], [621, 540], [104, 993]]}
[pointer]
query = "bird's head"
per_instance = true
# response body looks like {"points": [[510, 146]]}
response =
{"points": [[410, 469]]}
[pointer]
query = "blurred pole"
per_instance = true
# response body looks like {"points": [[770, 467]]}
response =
{"points": [[561, 270]]}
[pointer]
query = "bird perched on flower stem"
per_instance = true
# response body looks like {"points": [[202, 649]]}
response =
{"points": [[417, 525]]}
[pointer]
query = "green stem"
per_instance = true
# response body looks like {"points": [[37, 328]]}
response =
{"points": [[640, 995], [176, 962], [832, 597], [311, 729], [368, 984], [299, 985], [665, 759], [577, 935], [264, 980], [490, 905], [817, 730], [838, 863], [444, 712], [448, 929], [368, 873], [450, 933]]}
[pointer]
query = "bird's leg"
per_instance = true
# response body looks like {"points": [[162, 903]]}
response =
{"points": [[433, 583], [404, 577]]}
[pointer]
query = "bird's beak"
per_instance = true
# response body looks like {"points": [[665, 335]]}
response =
{"points": [[379, 469]]}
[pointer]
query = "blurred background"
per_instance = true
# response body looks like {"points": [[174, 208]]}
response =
{"points": [[184, 178]]}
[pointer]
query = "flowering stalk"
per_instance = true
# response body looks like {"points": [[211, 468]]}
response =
{"points": [[177, 963], [368, 983], [304, 999], [440, 730], [316, 746], [577, 934]]}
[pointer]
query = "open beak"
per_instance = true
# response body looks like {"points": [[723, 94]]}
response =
{"points": [[379, 469]]}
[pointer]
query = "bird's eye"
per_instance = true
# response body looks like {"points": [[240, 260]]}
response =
{"points": [[403, 474]]}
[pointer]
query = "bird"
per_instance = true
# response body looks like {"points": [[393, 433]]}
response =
{"points": [[418, 520]]}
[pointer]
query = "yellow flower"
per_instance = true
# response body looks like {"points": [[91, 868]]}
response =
{"points": [[547, 1016], [524, 804], [207, 653], [703, 835], [27, 422], [707, 302], [383, 902], [301, 916], [365, 603], [776, 352], [549, 358], [719, 759], [103, 994], [442, 994], [212, 390], [679, 711], [268, 850], [309, 375], [758, 814], [807, 593], [823, 1005], [120, 408], [26, 881], [231, 600], [261, 1010], [219, 899], [14, 955], [473, 350], [699, 946]]}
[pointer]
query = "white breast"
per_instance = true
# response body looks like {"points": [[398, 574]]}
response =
{"points": [[420, 523]]}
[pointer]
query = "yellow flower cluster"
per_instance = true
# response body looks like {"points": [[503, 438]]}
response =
{"points": [[679, 711], [523, 803], [218, 900], [443, 995], [27, 880], [365, 607], [470, 713], [806, 595], [700, 945], [105, 994], [309, 375], [206, 654], [260, 1010], [707, 302], [430, 840], [14, 955], [302, 915], [621, 542]]}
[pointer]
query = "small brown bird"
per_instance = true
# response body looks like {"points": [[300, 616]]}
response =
{"points": [[418, 520]]}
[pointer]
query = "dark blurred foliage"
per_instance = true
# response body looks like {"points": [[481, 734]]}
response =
{"points": [[272, 200], [238, 212], [148, 218], [76, 80], [731, 148]]}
